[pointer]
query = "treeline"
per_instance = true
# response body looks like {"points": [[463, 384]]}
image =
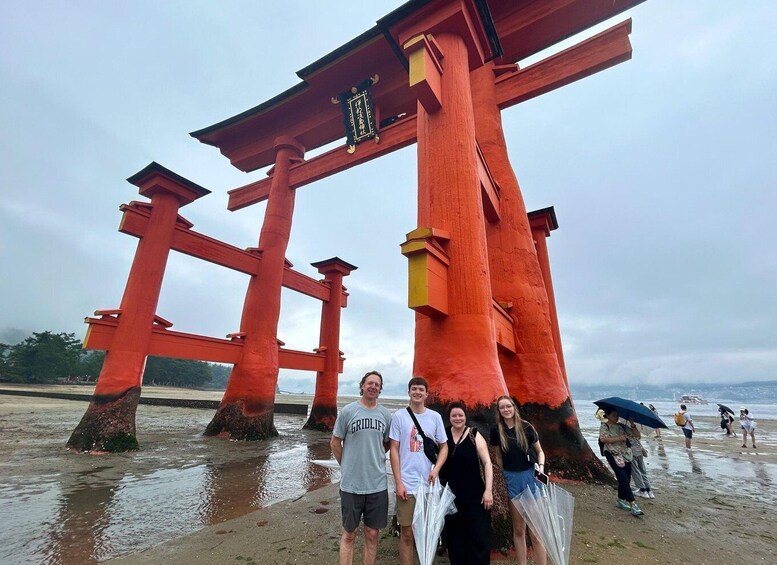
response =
{"points": [[47, 357]]}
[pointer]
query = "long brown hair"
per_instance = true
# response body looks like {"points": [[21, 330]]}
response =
{"points": [[501, 426]]}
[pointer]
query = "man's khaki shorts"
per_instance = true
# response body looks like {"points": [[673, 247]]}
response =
{"points": [[405, 509]]}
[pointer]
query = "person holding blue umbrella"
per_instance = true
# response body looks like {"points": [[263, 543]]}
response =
{"points": [[615, 438]]}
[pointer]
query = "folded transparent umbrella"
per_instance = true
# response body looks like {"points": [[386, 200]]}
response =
{"points": [[432, 504], [548, 510]]}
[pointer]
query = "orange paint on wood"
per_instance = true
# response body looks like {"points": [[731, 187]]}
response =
{"points": [[168, 343], [124, 362], [393, 137], [542, 222], [122, 370], [185, 240], [503, 328], [533, 373], [246, 410], [323, 411], [457, 353], [526, 28], [600, 52]]}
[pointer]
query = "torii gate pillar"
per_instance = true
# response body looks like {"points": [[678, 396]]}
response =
{"points": [[454, 350], [109, 421], [323, 411], [247, 408], [542, 222]]}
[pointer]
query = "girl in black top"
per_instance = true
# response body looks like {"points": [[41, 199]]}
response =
{"points": [[515, 438], [468, 531]]}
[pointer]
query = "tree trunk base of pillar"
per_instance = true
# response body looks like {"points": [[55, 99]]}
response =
{"points": [[321, 418], [480, 416], [108, 424], [567, 453], [230, 421]]}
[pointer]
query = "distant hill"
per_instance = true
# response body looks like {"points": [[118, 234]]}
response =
{"points": [[763, 391]]}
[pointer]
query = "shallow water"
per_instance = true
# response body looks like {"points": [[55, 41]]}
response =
{"points": [[60, 507]]}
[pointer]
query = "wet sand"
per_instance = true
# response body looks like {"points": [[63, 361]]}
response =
{"points": [[714, 504], [690, 522]]}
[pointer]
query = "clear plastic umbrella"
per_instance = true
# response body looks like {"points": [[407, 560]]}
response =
{"points": [[548, 510], [432, 504]]}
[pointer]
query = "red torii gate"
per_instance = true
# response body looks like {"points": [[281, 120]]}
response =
{"points": [[485, 317], [133, 331]]}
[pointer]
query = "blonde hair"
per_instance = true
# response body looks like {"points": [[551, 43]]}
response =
{"points": [[501, 426]]}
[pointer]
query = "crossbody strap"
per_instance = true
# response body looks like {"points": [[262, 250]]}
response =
{"points": [[417, 425]]}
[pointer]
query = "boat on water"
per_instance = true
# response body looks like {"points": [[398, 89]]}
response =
{"points": [[692, 399]]}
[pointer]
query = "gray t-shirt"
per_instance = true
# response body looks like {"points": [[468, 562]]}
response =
{"points": [[363, 431]]}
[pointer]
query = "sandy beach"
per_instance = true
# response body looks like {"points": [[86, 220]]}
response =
{"points": [[714, 504]]}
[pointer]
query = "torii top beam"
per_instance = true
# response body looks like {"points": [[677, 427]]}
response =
{"points": [[305, 111]]}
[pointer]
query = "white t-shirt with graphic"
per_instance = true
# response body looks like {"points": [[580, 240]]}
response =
{"points": [[414, 466]]}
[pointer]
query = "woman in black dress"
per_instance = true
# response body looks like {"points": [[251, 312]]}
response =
{"points": [[468, 530]]}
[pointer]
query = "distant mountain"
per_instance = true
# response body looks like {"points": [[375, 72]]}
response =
{"points": [[763, 391], [12, 336]]}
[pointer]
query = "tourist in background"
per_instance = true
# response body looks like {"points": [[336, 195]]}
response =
{"points": [[654, 411], [468, 530], [515, 439], [615, 438], [687, 427], [726, 419], [359, 442], [638, 469], [747, 423]]}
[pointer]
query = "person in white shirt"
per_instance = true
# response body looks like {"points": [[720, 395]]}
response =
{"points": [[409, 462], [747, 423], [688, 428]]}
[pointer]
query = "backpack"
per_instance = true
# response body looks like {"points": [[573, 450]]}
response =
{"points": [[679, 419]]}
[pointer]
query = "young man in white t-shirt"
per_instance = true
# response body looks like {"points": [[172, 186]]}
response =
{"points": [[409, 463]]}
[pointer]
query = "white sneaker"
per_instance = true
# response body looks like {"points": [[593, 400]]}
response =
{"points": [[642, 494], [650, 494]]}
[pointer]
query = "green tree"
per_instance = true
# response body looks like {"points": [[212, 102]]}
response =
{"points": [[44, 357], [91, 364], [176, 372], [5, 349], [219, 376]]}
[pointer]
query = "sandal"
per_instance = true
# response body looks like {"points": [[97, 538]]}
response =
{"points": [[744, 445], [754, 447]]}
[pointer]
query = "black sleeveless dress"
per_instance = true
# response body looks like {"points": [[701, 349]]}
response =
{"points": [[468, 531]]}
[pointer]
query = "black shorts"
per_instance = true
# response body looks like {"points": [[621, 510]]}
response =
{"points": [[688, 433], [373, 507]]}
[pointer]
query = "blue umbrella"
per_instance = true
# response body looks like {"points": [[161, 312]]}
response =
{"points": [[630, 410]]}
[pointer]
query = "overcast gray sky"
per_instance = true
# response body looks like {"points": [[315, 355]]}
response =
{"points": [[662, 172]]}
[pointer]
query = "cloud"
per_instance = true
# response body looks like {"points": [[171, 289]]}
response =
{"points": [[659, 170]]}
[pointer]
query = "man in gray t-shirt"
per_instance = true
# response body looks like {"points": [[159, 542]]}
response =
{"points": [[359, 442]]}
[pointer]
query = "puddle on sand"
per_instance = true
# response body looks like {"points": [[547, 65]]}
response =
{"points": [[60, 507]]}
